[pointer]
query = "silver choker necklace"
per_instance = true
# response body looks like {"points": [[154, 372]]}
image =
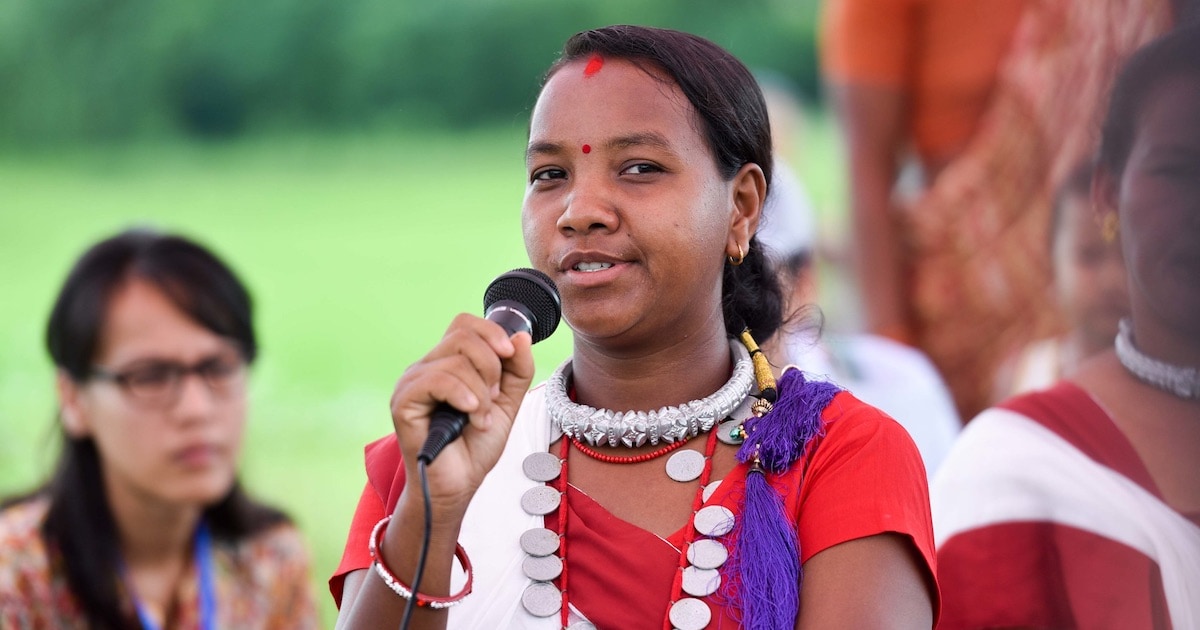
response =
{"points": [[635, 428], [1179, 380]]}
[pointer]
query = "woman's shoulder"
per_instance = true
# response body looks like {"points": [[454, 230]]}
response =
{"points": [[265, 577], [25, 575], [863, 476], [850, 421], [865, 452], [855, 443], [22, 519], [20, 534], [847, 426], [279, 544]]}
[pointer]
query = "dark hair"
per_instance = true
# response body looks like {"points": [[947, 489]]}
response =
{"points": [[79, 524], [797, 262], [1175, 54], [192, 278], [731, 108]]}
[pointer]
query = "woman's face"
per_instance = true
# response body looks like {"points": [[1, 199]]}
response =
{"points": [[179, 449], [624, 206], [1158, 200]]}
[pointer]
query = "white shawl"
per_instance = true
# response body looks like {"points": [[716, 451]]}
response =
{"points": [[492, 529], [1008, 468]]}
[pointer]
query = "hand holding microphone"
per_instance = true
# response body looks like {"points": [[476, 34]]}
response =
{"points": [[478, 370], [522, 300]]}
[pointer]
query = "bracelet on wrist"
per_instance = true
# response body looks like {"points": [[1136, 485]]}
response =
{"points": [[399, 588]]}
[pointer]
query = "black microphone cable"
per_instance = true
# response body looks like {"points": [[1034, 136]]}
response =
{"points": [[420, 572]]}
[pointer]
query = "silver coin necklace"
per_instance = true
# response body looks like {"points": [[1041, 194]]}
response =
{"points": [[701, 556]]}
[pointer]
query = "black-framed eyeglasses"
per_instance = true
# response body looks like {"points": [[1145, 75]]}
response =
{"points": [[160, 383]]}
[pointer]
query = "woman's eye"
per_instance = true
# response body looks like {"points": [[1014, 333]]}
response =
{"points": [[219, 368], [548, 174], [641, 168], [152, 376]]}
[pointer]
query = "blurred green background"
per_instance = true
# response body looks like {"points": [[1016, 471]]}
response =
{"points": [[359, 163], [115, 69]]}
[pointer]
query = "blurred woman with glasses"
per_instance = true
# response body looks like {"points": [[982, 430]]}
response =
{"points": [[144, 524]]}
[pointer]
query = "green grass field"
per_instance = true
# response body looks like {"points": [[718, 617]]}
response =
{"points": [[358, 250]]}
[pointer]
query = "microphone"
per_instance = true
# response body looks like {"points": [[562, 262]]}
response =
{"points": [[521, 300]]}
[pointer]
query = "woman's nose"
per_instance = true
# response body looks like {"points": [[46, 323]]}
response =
{"points": [[591, 206], [195, 398]]}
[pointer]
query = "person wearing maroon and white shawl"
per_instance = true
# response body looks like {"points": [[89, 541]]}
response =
{"points": [[1079, 507]]}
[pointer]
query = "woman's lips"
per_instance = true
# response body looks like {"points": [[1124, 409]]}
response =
{"points": [[197, 456], [590, 269], [594, 275]]}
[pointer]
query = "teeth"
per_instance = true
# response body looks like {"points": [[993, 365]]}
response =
{"points": [[592, 266]]}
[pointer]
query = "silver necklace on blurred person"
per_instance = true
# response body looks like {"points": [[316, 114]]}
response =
{"points": [[1179, 380]]}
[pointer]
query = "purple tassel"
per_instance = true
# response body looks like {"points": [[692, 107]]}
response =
{"points": [[765, 562], [780, 437]]}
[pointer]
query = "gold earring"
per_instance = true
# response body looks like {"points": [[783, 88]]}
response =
{"points": [[740, 257], [1109, 226]]}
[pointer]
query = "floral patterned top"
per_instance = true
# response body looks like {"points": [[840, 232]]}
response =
{"points": [[261, 582]]}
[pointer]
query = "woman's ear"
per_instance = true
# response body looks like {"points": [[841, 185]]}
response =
{"points": [[71, 410], [749, 191]]}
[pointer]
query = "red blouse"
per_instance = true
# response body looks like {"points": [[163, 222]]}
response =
{"points": [[863, 477]]}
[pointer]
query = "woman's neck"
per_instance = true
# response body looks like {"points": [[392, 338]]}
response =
{"points": [[151, 532], [690, 368], [157, 541], [1162, 343]]}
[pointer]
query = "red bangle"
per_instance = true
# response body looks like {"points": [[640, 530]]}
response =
{"points": [[400, 589]]}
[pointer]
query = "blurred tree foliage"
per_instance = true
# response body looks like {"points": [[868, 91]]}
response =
{"points": [[85, 70]]}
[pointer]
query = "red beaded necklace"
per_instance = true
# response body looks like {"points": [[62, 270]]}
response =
{"points": [[633, 459], [689, 532]]}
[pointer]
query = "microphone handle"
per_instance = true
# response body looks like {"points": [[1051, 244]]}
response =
{"points": [[445, 424]]}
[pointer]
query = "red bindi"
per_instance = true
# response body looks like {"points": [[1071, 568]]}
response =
{"points": [[587, 148], [593, 65]]}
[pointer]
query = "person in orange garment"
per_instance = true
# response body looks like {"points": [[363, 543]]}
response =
{"points": [[961, 117]]}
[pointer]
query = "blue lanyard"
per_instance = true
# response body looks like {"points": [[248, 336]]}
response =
{"points": [[207, 579]]}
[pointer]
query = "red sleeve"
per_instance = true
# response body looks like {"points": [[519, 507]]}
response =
{"points": [[865, 477], [385, 480], [868, 41]]}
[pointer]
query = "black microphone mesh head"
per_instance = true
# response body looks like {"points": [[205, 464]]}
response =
{"points": [[533, 289]]}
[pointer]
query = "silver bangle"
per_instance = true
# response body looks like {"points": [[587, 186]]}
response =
{"points": [[403, 591]]}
